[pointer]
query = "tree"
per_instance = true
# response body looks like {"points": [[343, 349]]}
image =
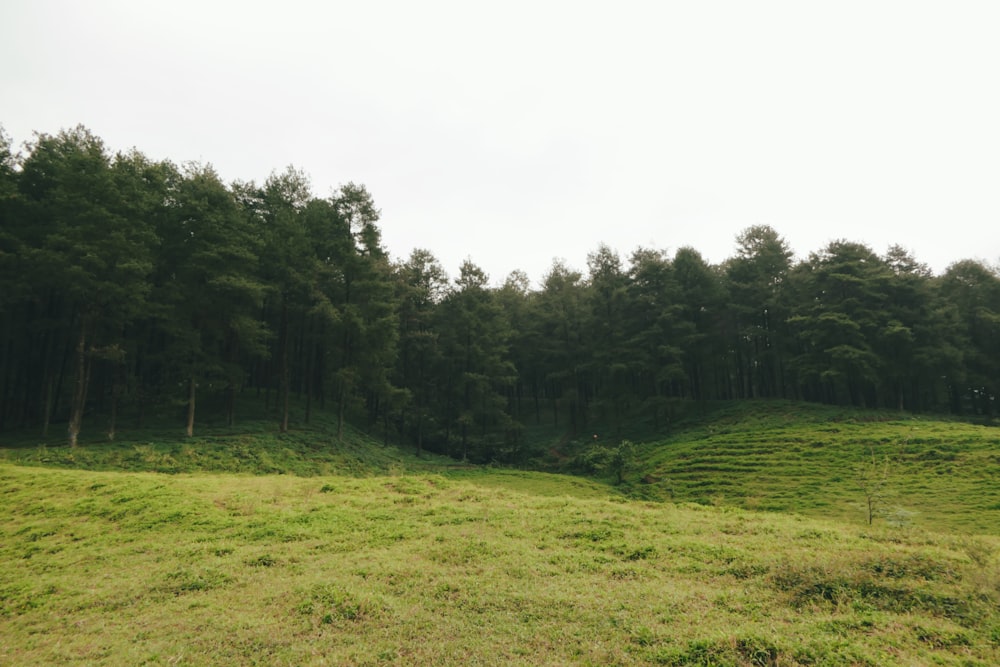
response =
{"points": [[475, 368], [974, 289], [622, 459], [144, 189], [207, 280], [919, 345], [421, 284], [332, 248], [15, 288], [368, 326], [83, 248], [608, 357], [286, 265], [517, 302], [617, 460], [703, 300], [654, 330], [843, 297], [757, 279], [872, 477], [527, 344], [562, 353], [10, 222]]}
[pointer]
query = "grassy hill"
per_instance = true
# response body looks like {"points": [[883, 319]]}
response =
{"points": [[809, 459], [253, 446], [358, 553]]}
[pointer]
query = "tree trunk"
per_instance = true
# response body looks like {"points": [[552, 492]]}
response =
{"points": [[47, 408], [230, 405], [420, 431], [140, 397], [115, 392], [308, 400], [80, 388], [538, 409], [190, 416], [285, 374], [285, 404], [308, 374], [5, 373], [340, 411]]}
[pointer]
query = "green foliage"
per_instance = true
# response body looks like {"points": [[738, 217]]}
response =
{"points": [[474, 368], [131, 287], [616, 460]]}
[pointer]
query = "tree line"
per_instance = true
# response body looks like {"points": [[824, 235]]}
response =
{"points": [[132, 287]]}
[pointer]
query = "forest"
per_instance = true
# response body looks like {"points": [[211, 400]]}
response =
{"points": [[133, 290]]}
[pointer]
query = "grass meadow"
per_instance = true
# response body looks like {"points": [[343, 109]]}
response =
{"points": [[738, 538], [786, 457]]}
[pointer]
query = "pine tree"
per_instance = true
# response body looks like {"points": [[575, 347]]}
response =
{"points": [[89, 259]]}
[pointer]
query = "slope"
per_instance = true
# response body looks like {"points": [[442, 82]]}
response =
{"points": [[815, 460], [106, 568]]}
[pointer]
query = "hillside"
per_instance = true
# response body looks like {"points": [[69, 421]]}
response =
{"points": [[262, 548], [254, 446], [137, 568], [809, 459]]}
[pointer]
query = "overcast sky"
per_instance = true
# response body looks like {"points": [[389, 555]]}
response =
{"points": [[513, 133]]}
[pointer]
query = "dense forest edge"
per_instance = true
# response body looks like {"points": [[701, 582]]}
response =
{"points": [[140, 295]]}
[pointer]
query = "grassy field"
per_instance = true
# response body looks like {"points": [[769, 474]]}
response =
{"points": [[268, 549], [787, 457]]}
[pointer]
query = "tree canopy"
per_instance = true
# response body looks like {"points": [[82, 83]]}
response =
{"points": [[131, 285]]}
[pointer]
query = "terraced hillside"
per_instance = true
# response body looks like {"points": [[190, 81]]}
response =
{"points": [[790, 457]]}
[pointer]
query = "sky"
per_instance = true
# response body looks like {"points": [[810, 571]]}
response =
{"points": [[517, 133]]}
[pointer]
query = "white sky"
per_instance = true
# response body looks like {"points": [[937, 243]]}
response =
{"points": [[516, 132]]}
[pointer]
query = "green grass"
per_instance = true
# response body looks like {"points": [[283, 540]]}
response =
{"points": [[788, 457], [255, 447], [260, 548], [139, 568]]}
